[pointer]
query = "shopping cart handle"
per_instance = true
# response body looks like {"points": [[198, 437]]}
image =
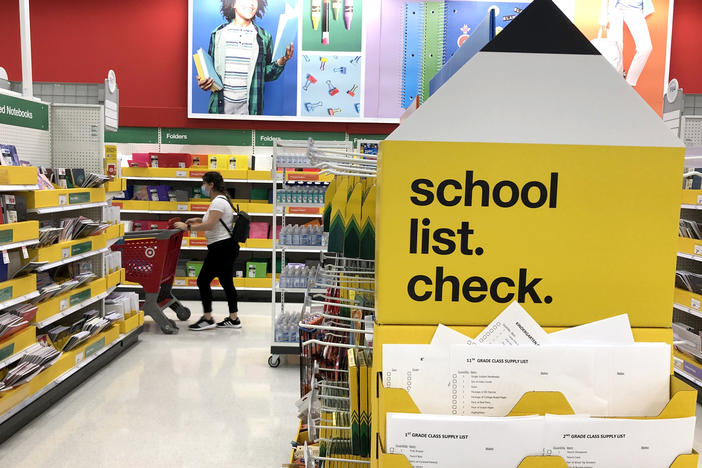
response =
{"points": [[153, 234]]}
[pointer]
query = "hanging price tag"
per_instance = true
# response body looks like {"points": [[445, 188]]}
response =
{"points": [[25, 254], [695, 303], [65, 252], [63, 305], [181, 173], [5, 257], [183, 207], [698, 249], [63, 200]]}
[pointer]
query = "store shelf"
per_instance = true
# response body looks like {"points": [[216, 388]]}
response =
{"points": [[57, 209], [18, 300], [17, 245], [70, 310], [82, 256], [21, 414], [299, 290], [16, 345], [285, 348], [300, 205], [198, 180], [691, 207], [18, 188], [696, 258], [689, 310], [302, 248], [270, 215]]}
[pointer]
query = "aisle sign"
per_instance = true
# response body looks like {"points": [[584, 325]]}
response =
{"points": [[23, 113], [574, 233], [201, 136]]}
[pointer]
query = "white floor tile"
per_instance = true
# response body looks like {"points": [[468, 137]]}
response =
{"points": [[195, 399]]}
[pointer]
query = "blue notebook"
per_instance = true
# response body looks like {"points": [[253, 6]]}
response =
{"points": [[208, 69]]}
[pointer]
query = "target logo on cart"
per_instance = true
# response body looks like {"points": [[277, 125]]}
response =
{"points": [[150, 252]]}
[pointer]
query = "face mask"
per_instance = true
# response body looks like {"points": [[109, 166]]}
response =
{"points": [[204, 191]]}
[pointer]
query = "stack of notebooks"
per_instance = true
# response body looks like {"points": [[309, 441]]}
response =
{"points": [[36, 358], [11, 324], [48, 288], [14, 208], [49, 235], [688, 281], [69, 178], [76, 228], [29, 267], [66, 338], [690, 229], [206, 69], [9, 156]]}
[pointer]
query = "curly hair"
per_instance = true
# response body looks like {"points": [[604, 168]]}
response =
{"points": [[229, 13]]}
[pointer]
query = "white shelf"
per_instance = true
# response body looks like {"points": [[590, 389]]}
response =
{"points": [[15, 357], [28, 401], [70, 310], [194, 288], [299, 290], [689, 377], [111, 242], [300, 205], [691, 207], [18, 300], [302, 248], [57, 209], [288, 215], [689, 310], [75, 258], [18, 188], [199, 179], [17, 245], [697, 258]]}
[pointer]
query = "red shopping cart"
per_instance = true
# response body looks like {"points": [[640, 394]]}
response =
{"points": [[150, 258]]}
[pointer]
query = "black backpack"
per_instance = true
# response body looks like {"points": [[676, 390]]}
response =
{"points": [[242, 226]]}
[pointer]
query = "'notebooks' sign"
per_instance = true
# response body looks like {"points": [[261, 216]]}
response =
{"points": [[465, 228]]}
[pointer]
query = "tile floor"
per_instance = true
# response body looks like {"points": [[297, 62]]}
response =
{"points": [[196, 399], [204, 399]]}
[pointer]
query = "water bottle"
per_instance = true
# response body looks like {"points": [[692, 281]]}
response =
{"points": [[296, 235], [305, 236]]}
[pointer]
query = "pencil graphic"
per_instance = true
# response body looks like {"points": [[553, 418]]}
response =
{"points": [[336, 8], [316, 13], [325, 22], [348, 13]]}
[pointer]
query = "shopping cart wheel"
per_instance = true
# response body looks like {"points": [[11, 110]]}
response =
{"points": [[274, 360], [182, 312]]}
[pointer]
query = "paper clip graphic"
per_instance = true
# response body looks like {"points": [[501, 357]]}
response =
{"points": [[322, 63], [357, 106], [333, 90], [310, 81], [355, 60], [352, 92], [331, 111], [310, 106], [341, 70], [306, 57]]}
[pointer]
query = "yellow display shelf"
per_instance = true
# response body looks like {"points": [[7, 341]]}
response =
{"points": [[96, 343], [132, 204], [259, 206], [301, 438], [114, 278], [141, 317], [691, 197], [63, 197], [690, 246], [16, 343], [18, 175], [63, 304], [129, 324], [116, 185], [114, 232], [258, 244], [259, 175], [682, 404], [688, 299], [66, 250], [17, 233], [17, 288]]}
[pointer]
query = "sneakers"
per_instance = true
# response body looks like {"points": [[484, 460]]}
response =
{"points": [[202, 324], [229, 323]]}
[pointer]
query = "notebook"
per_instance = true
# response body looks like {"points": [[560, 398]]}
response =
{"points": [[205, 69]]}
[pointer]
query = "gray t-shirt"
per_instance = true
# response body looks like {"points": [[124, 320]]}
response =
{"points": [[219, 232]]}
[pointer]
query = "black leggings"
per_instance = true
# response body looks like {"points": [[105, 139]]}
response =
{"points": [[219, 263]]}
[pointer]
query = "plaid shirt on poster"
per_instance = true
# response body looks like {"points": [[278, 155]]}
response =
{"points": [[265, 70]]}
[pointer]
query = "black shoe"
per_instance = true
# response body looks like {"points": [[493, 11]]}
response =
{"points": [[203, 324], [229, 323]]}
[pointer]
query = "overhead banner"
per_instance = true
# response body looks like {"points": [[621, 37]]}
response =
{"points": [[362, 60]]}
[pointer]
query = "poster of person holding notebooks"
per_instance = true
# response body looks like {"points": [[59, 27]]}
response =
{"points": [[242, 57]]}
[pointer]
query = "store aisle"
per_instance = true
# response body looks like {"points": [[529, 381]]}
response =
{"points": [[205, 399]]}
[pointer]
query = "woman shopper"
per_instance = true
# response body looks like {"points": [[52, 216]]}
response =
{"points": [[221, 251]]}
